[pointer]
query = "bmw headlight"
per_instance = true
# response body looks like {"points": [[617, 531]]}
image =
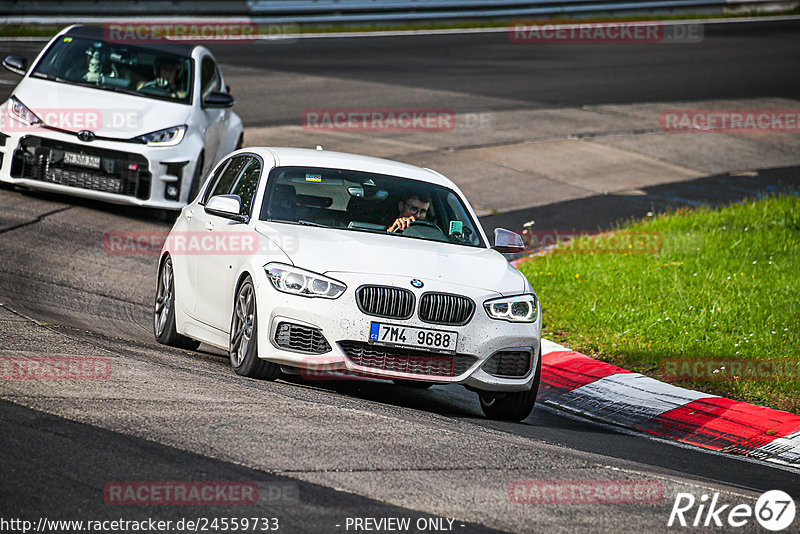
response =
{"points": [[301, 282], [519, 309], [19, 111], [166, 137]]}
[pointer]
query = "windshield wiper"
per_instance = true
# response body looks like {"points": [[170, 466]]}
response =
{"points": [[309, 223], [48, 77], [88, 84], [120, 90]]}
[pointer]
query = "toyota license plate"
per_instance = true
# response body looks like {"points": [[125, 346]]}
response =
{"points": [[83, 160], [418, 338]]}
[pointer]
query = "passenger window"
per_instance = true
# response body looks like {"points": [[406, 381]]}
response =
{"points": [[210, 79], [227, 180], [247, 184]]}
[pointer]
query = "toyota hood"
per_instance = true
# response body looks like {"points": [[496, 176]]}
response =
{"points": [[327, 250], [106, 113]]}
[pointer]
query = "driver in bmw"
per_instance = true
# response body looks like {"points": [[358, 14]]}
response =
{"points": [[415, 206]]}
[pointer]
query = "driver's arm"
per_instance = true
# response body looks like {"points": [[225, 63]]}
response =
{"points": [[401, 224]]}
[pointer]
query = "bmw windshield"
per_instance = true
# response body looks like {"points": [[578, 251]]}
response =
{"points": [[118, 67], [368, 202]]}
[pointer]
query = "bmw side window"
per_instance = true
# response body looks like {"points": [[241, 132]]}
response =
{"points": [[227, 179], [247, 184], [210, 79], [213, 181]]}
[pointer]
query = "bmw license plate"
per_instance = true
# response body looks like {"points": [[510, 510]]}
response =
{"points": [[83, 160], [418, 338]]}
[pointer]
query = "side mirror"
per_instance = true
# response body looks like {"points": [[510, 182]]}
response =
{"points": [[218, 100], [508, 242], [227, 206], [16, 64]]}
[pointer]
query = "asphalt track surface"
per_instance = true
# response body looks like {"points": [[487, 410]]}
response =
{"points": [[733, 61], [362, 449]]}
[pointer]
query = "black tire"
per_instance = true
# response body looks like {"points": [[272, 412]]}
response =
{"points": [[164, 311], [197, 178], [413, 384], [243, 346], [512, 406]]}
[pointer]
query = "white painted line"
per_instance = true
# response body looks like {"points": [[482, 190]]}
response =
{"points": [[558, 410], [26, 39], [627, 398], [548, 347], [502, 29], [782, 450]]}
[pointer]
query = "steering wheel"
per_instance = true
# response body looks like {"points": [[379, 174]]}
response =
{"points": [[425, 229], [420, 222], [158, 87]]}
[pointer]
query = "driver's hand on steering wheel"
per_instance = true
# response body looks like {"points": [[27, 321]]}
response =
{"points": [[401, 224]]}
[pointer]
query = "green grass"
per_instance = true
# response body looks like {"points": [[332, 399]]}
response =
{"points": [[710, 284]]}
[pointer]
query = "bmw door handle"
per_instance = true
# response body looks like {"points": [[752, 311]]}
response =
{"points": [[209, 226]]}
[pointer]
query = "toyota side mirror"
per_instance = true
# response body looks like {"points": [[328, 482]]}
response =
{"points": [[16, 64], [218, 100]]}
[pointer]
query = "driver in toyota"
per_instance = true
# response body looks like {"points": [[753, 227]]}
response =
{"points": [[415, 206]]}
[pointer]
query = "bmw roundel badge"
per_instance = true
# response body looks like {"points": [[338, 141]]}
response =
{"points": [[417, 283]]}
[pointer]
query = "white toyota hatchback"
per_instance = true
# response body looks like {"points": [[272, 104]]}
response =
{"points": [[124, 122], [328, 265]]}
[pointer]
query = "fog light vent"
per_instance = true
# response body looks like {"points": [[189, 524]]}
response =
{"points": [[509, 363], [301, 338]]}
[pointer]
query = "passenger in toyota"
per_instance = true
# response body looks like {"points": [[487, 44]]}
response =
{"points": [[98, 66]]}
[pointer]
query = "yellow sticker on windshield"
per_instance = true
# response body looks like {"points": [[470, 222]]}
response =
{"points": [[67, 39], [314, 178]]}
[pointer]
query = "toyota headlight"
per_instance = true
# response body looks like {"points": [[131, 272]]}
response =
{"points": [[166, 137], [519, 309], [301, 282], [19, 111]]}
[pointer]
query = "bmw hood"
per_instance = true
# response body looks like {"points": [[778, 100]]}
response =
{"points": [[326, 250], [106, 113]]}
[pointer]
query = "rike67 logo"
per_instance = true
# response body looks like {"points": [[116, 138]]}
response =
{"points": [[774, 510]]}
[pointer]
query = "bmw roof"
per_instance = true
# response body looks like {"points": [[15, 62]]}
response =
{"points": [[304, 157]]}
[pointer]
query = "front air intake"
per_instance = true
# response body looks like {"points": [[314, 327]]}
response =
{"points": [[385, 301], [443, 308]]}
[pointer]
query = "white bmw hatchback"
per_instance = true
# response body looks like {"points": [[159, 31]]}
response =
{"points": [[123, 122], [333, 265]]}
